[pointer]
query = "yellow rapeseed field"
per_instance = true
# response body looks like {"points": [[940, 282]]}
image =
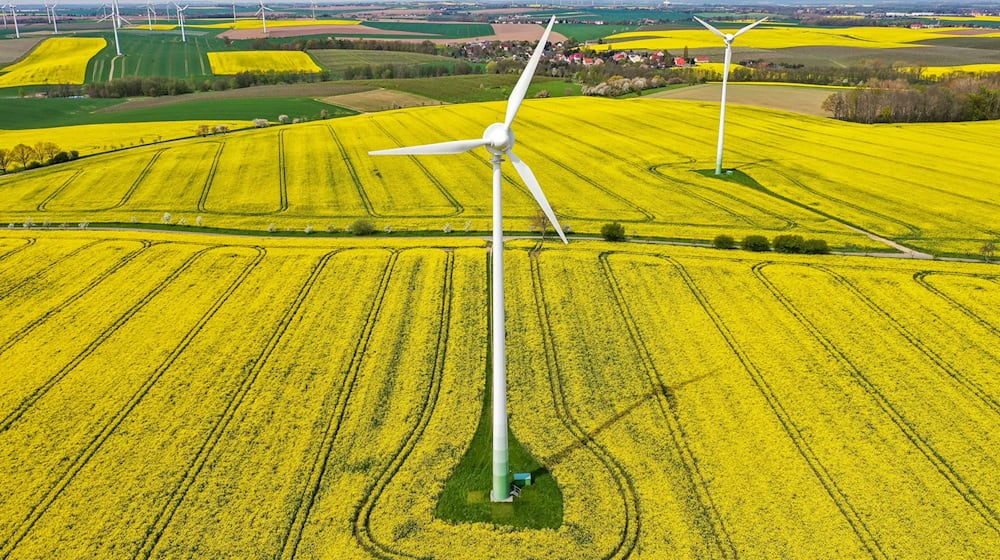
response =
{"points": [[779, 37], [641, 161], [939, 71], [226, 63], [690, 403], [57, 60], [97, 138]]}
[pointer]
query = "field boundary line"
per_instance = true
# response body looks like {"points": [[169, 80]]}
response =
{"points": [[26, 330], [667, 401], [373, 492], [162, 520], [631, 529], [109, 428], [107, 333], [840, 499], [915, 341], [968, 493], [354, 174], [293, 535], [430, 177], [58, 190]]}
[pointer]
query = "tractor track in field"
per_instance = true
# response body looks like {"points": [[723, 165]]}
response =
{"points": [[423, 169], [711, 524], [921, 279], [31, 326], [791, 429], [170, 505], [38, 274], [210, 178], [43, 205], [81, 460], [349, 163], [293, 534], [29, 241], [647, 216], [943, 365], [135, 184], [688, 189], [361, 516], [108, 332], [632, 520], [282, 174], [905, 426]]}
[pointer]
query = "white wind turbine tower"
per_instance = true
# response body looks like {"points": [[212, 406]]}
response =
{"points": [[13, 14], [728, 38], [314, 9], [3, 10], [113, 16], [150, 14], [498, 139], [50, 12], [261, 12], [180, 20], [234, 12]]}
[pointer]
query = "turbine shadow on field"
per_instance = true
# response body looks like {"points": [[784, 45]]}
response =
{"points": [[669, 392]]}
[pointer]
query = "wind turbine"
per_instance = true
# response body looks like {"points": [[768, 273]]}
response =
{"points": [[150, 14], [3, 10], [13, 14], [50, 12], [314, 9], [180, 20], [263, 9], [234, 11], [498, 139], [728, 38], [113, 16]]}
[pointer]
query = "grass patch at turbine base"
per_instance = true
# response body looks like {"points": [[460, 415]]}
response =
{"points": [[466, 496]]}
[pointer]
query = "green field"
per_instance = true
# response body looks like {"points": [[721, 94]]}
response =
{"points": [[337, 60], [584, 32], [45, 113], [154, 54]]}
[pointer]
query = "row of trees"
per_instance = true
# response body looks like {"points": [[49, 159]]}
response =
{"points": [[29, 157], [156, 86], [963, 98], [389, 71]]}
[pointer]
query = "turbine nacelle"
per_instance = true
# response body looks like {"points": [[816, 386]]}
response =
{"points": [[499, 139]]}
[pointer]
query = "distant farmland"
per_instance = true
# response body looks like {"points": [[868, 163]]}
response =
{"points": [[337, 60]]}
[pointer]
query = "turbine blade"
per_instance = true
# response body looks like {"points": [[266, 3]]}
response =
{"points": [[519, 91], [749, 27], [710, 27], [536, 191], [439, 149]]}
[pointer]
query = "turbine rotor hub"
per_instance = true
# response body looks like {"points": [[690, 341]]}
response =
{"points": [[500, 138]]}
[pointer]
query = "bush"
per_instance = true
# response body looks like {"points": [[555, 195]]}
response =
{"points": [[613, 232], [362, 227], [757, 243], [788, 243], [815, 247], [724, 242]]}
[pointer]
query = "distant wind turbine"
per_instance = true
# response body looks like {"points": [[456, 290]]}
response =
{"points": [[180, 20], [113, 16], [13, 14], [150, 14], [728, 38], [3, 10], [234, 12], [261, 12], [50, 11], [314, 9], [498, 139]]}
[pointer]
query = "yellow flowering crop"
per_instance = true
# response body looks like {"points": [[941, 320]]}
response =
{"points": [[57, 60], [169, 395], [261, 61], [938, 71]]}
